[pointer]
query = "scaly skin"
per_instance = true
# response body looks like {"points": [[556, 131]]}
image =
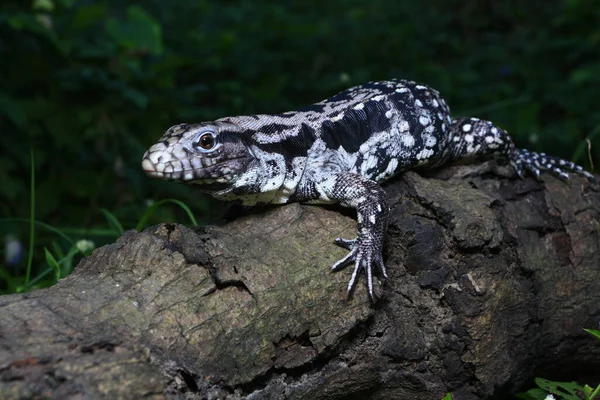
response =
{"points": [[337, 151]]}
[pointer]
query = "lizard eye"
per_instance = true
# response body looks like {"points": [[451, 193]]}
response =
{"points": [[205, 141]]}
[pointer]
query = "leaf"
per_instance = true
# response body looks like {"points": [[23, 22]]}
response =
{"points": [[87, 16], [572, 388], [595, 393], [43, 5], [533, 394], [52, 263], [139, 98], [13, 111], [140, 31], [593, 332], [67, 3]]}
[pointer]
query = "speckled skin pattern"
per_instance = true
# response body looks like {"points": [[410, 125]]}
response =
{"points": [[337, 151]]}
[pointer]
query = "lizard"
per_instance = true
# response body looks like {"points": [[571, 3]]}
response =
{"points": [[338, 150]]}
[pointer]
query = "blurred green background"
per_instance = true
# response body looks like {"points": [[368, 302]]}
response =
{"points": [[87, 86]]}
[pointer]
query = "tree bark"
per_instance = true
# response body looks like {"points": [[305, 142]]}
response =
{"points": [[491, 282]]}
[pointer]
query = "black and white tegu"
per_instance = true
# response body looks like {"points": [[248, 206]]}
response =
{"points": [[337, 151]]}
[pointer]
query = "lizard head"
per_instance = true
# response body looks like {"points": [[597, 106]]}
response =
{"points": [[205, 153]]}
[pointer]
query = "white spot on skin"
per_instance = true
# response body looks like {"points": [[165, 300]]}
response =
{"points": [[424, 120], [430, 141], [489, 139], [402, 90], [424, 154], [469, 138], [370, 162], [472, 150], [359, 106], [466, 127], [418, 103], [435, 103], [408, 140], [378, 98], [338, 117], [403, 126], [393, 164], [388, 114], [372, 219]]}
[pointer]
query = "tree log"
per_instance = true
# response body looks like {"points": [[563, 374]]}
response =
{"points": [[491, 282]]}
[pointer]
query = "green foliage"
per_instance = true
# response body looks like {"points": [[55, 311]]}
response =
{"points": [[562, 390], [31, 219], [594, 333], [152, 209], [89, 85]]}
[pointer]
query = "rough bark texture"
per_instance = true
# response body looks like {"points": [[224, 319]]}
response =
{"points": [[491, 282]]}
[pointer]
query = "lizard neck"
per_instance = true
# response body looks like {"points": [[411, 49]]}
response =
{"points": [[279, 146]]}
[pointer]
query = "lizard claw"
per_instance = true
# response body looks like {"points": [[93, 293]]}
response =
{"points": [[364, 255], [345, 243]]}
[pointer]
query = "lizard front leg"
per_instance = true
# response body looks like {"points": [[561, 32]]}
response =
{"points": [[370, 201]]}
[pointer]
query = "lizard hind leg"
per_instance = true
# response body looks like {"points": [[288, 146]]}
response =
{"points": [[474, 139], [478, 139]]}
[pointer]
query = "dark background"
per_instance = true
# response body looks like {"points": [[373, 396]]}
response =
{"points": [[87, 86]]}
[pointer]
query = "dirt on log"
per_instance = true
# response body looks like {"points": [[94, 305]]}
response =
{"points": [[491, 282]]}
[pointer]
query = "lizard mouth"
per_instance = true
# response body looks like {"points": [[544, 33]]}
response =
{"points": [[203, 171]]}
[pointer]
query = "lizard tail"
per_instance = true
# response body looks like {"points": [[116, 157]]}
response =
{"points": [[473, 138]]}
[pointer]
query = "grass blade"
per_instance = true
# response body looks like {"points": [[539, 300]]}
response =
{"points": [[594, 333], [113, 221], [40, 276], [150, 211], [31, 220], [41, 224], [578, 153]]}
